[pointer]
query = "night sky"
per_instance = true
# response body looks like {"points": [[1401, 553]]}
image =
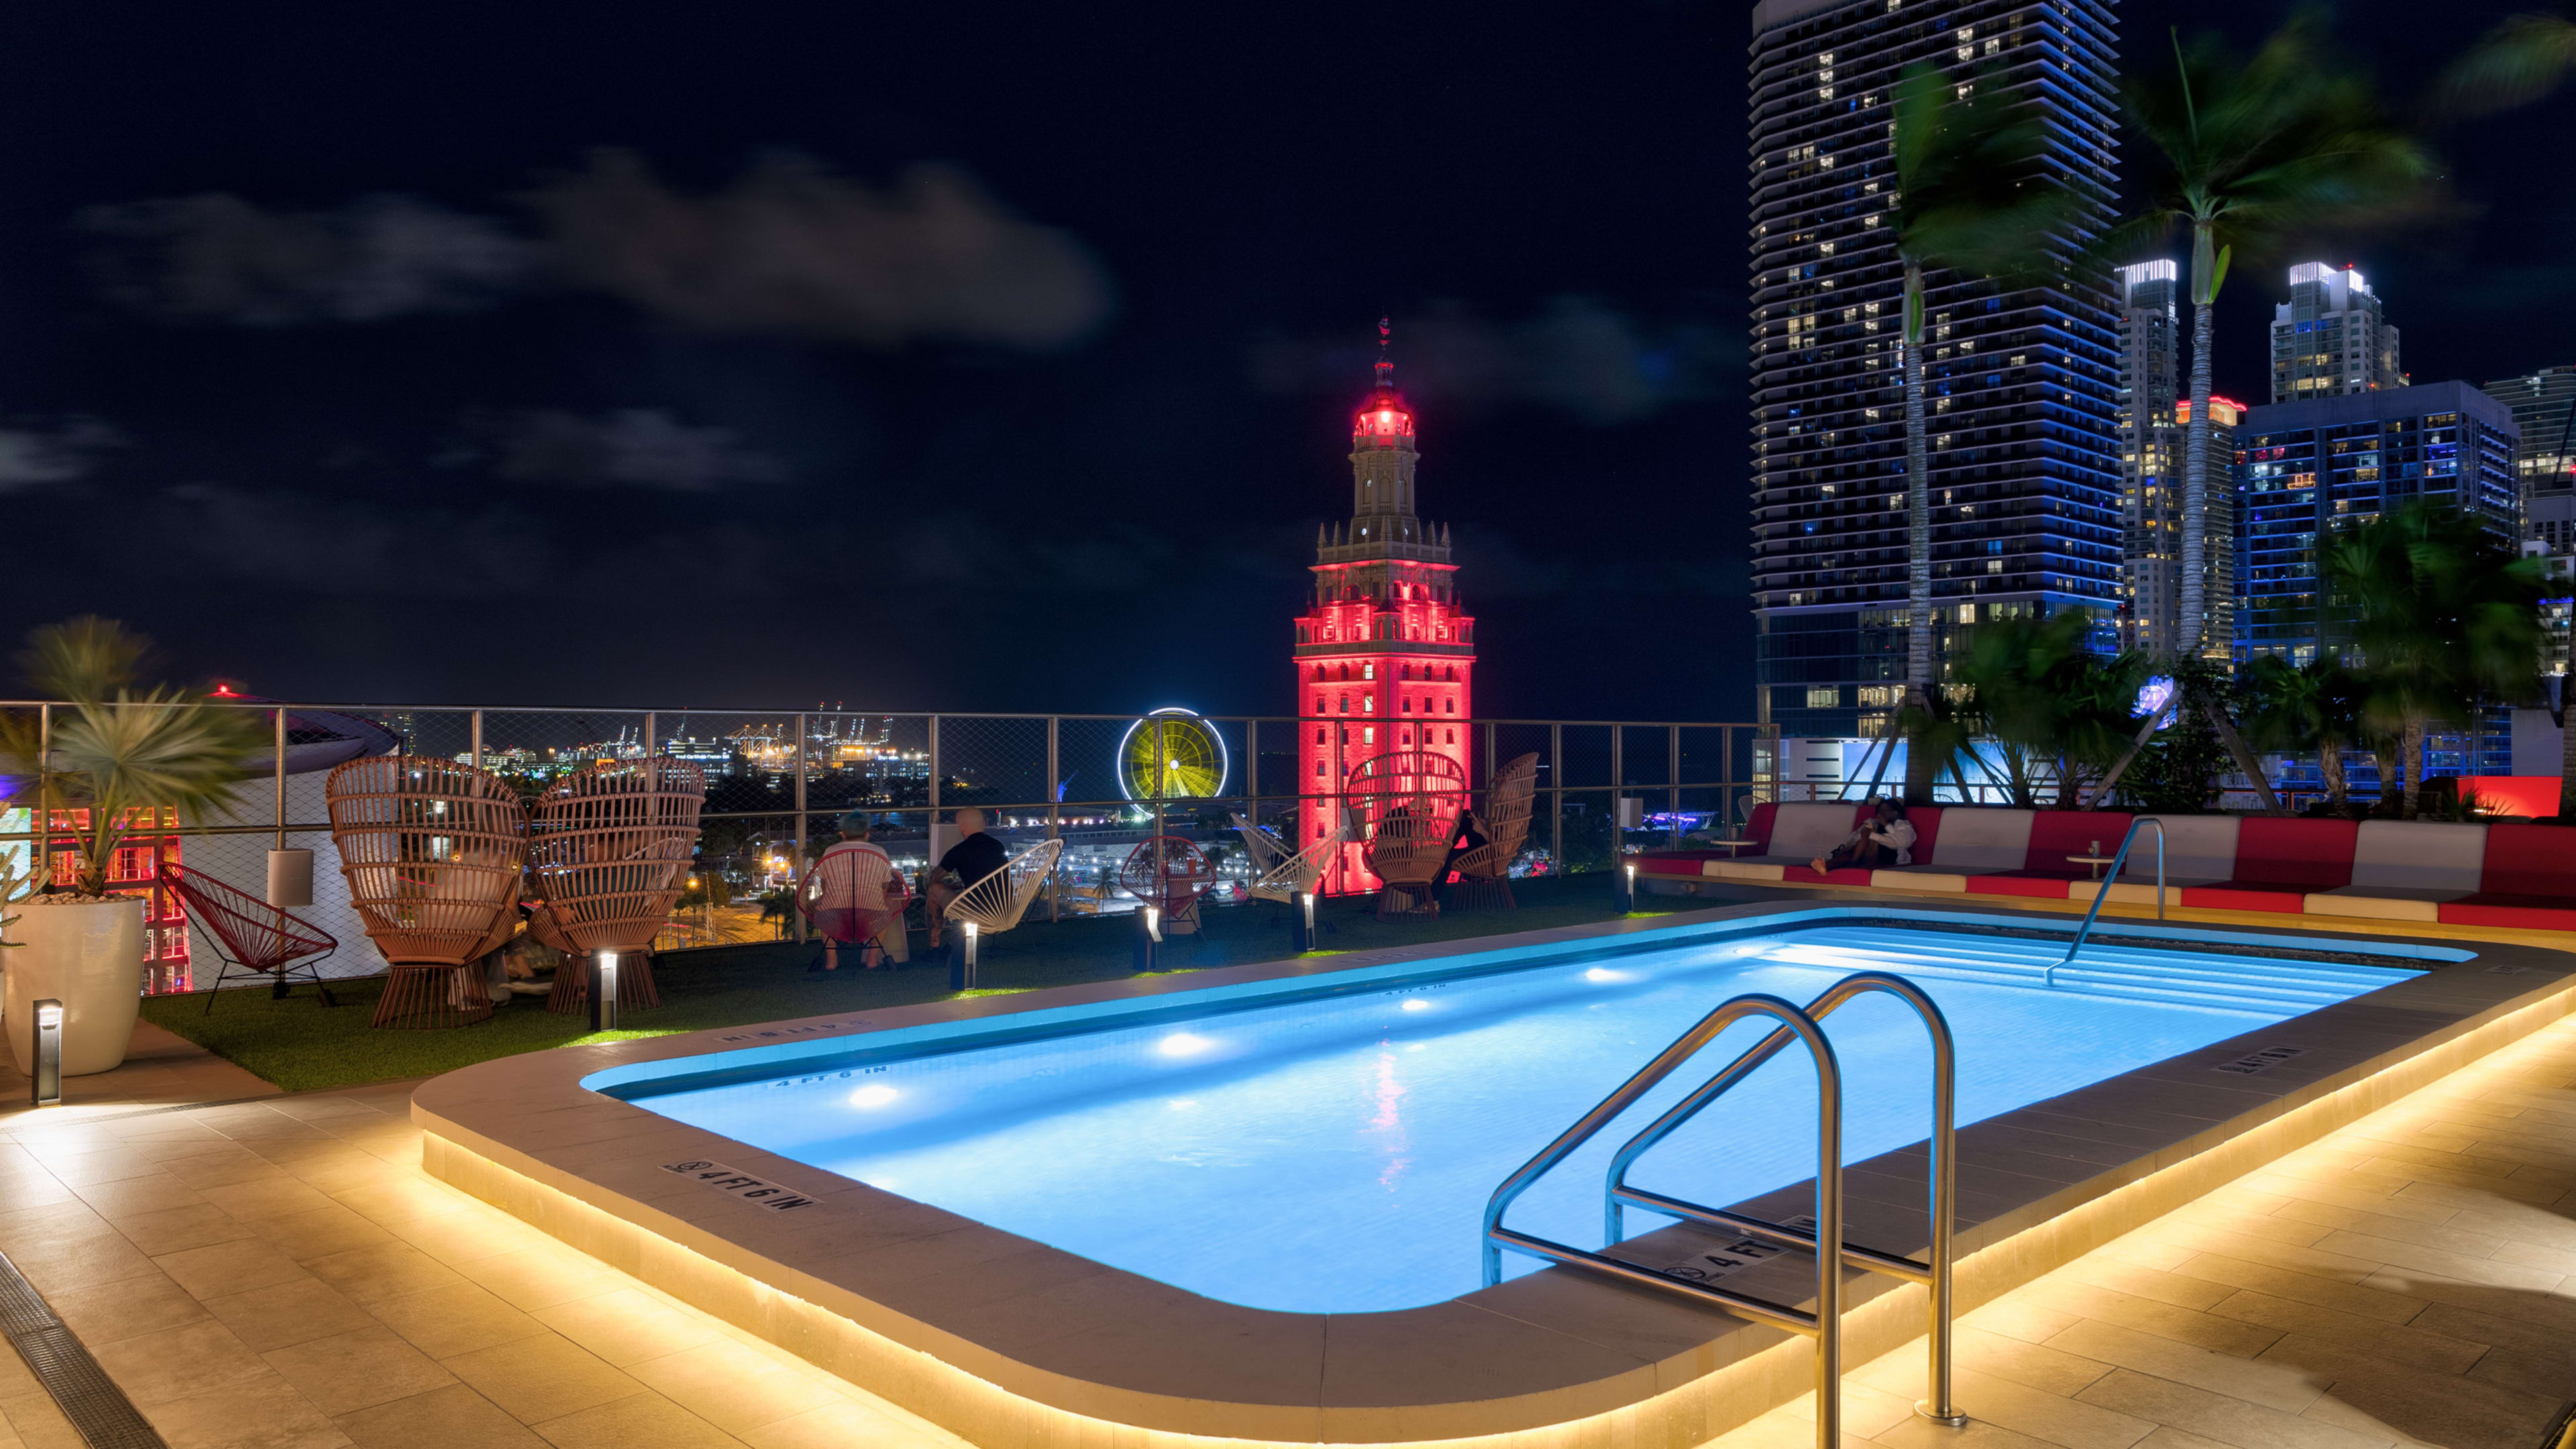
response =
{"points": [[951, 356]]}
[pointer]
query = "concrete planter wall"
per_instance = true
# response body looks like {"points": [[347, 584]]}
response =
{"points": [[89, 957]]}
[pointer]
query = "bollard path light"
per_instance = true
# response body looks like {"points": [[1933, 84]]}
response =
{"points": [[603, 991], [48, 1079]]}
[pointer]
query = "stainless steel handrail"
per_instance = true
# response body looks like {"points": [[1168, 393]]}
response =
{"points": [[2049, 976], [1824, 1324], [1942, 1173]]}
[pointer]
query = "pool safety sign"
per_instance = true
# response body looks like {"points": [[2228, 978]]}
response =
{"points": [[742, 1185]]}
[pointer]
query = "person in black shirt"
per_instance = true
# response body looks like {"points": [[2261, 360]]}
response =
{"points": [[974, 856], [1461, 840]]}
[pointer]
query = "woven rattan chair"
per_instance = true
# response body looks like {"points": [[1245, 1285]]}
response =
{"points": [[997, 902], [829, 897], [250, 936], [1409, 801], [1484, 873], [1287, 879], [610, 848], [432, 851], [1169, 873]]}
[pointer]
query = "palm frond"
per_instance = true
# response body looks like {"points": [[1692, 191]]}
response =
{"points": [[2518, 62]]}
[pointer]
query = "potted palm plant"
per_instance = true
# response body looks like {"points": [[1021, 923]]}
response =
{"points": [[106, 768]]}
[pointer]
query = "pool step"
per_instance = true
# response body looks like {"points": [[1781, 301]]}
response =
{"points": [[2104, 969]]}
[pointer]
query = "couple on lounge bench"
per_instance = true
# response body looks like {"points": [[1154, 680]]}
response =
{"points": [[1885, 839]]}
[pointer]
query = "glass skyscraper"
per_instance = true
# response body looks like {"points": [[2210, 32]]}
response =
{"points": [[2022, 387]]}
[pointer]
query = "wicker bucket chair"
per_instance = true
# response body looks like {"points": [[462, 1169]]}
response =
{"points": [[251, 937], [1169, 873], [997, 902], [831, 893], [1409, 802], [610, 848], [432, 851], [1484, 873]]}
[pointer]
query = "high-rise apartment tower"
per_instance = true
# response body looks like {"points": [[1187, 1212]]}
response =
{"points": [[2331, 338], [2309, 468], [2022, 386], [2544, 408]]}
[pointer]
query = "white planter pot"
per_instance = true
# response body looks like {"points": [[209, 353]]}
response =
{"points": [[89, 957]]}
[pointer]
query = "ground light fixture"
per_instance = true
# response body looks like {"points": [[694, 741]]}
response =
{"points": [[1627, 886], [961, 970], [1305, 921], [48, 1076], [603, 991], [1148, 937]]}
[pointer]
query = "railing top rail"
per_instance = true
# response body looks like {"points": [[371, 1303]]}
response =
{"points": [[2110, 879], [348, 707]]}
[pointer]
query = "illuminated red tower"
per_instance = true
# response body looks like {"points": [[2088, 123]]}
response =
{"points": [[1385, 658]]}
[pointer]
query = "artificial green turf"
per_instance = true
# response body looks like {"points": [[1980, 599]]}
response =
{"points": [[302, 1047]]}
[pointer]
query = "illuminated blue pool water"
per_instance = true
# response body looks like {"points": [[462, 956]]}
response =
{"points": [[1335, 1156]]}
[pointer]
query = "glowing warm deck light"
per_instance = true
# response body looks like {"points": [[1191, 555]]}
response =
{"points": [[876, 1096]]}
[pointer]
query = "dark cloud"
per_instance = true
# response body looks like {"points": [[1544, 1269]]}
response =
{"points": [[219, 258], [33, 457], [788, 250], [1575, 355], [355, 547], [792, 249], [632, 447]]}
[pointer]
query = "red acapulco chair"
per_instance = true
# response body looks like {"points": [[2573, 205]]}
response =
{"points": [[251, 937], [1169, 873]]}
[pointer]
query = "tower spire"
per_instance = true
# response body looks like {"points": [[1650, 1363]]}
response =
{"points": [[1385, 366]]}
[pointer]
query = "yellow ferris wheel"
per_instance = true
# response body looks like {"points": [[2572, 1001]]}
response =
{"points": [[1172, 754]]}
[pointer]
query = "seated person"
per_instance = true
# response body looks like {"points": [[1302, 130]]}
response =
{"points": [[1885, 839], [870, 908], [974, 856], [1464, 839]]}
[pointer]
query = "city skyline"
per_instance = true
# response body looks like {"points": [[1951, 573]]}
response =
{"points": [[404, 384]]}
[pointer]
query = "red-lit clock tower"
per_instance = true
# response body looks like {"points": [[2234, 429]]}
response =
{"points": [[1385, 657]]}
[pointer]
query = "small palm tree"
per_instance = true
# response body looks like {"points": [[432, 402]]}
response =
{"points": [[116, 759], [2046, 699], [2303, 708], [2253, 153], [2442, 615], [1973, 198]]}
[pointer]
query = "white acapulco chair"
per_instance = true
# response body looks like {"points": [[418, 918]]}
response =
{"points": [[996, 903], [1267, 852], [1288, 879]]}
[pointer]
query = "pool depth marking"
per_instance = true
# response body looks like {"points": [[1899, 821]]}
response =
{"points": [[742, 1185], [2257, 1063]]}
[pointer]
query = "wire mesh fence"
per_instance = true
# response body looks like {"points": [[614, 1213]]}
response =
{"points": [[779, 783]]}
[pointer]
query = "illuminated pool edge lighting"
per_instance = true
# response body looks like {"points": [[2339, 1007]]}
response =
{"points": [[1184, 1044], [1013, 1409], [878, 1095]]}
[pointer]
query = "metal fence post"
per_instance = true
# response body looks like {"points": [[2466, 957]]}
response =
{"points": [[41, 819], [797, 861], [280, 777], [477, 729], [1556, 775], [1055, 822], [649, 734], [1618, 791], [1674, 776]]}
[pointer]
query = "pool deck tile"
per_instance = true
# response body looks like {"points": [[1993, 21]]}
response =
{"points": [[2408, 1277]]}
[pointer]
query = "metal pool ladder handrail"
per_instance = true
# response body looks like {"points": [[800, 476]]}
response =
{"points": [[1824, 1325], [1941, 1173], [2049, 976]]}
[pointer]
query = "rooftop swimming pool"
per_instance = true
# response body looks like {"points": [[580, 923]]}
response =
{"points": [[1333, 1153]]}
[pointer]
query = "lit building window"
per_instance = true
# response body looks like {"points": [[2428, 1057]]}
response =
{"points": [[1368, 734], [1368, 704], [1368, 671]]}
